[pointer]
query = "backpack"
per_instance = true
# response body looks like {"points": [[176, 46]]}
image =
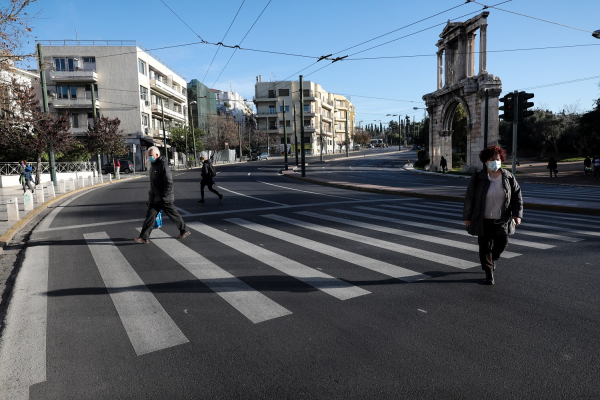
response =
{"points": [[212, 170]]}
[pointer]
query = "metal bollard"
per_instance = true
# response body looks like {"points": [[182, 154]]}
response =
{"points": [[61, 186], [91, 180], [100, 178], [109, 178], [71, 184], [50, 187], [81, 182], [28, 201], [12, 207], [39, 194]]}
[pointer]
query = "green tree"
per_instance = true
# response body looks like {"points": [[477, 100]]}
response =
{"points": [[178, 139]]}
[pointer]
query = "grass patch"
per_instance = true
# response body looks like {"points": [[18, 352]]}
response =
{"points": [[560, 159]]}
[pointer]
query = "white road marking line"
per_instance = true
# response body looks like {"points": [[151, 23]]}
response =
{"points": [[182, 212], [398, 232], [518, 242], [252, 197], [519, 231], [319, 280], [352, 258], [252, 304], [398, 248], [23, 345], [146, 322], [48, 219], [306, 191], [233, 211]]}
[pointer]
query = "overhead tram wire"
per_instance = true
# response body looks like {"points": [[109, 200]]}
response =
{"points": [[241, 41], [562, 83], [195, 33], [224, 36], [529, 16]]}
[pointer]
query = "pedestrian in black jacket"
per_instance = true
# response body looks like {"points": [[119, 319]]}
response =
{"points": [[553, 167], [208, 172], [443, 164], [493, 208], [161, 197]]}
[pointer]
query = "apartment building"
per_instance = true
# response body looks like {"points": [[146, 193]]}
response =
{"points": [[233, 103], [203, 103], [20, 76], [323, 111], [130, 83]]}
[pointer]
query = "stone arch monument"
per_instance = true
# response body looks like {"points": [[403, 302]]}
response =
{"points": [[458, 84]]}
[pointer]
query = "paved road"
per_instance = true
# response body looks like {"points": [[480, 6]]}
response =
{"points": [[292, 290], [385, 170]]}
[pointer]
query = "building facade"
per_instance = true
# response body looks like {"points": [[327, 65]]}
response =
{"points": [[329, 114], [205, 104], [21, 77], [233, 104], [130, 83]]}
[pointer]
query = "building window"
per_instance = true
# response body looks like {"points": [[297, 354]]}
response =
{"points": [[73, 90], [145, 119], [307, 123], [307, 108], [284, 92], [287, 123], [142, 67], [271, 109], [74, 120], [306, 139], [306, 92], [287, 108], [271, 94], [143, 93], [62, 92], [88, 91], [89, 60], [64, 64]]}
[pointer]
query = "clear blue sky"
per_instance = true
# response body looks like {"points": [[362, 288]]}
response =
{"points": [[318, 28]]}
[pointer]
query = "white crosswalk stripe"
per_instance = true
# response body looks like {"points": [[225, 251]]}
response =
{"points": [[411, 235], [410, 251], [461, 232], [353, 258], [252, 304], [319, 280], [520, 231], [147, 324], [528, 224]]}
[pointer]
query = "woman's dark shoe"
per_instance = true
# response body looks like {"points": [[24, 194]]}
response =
{"points": [[489, 278]]}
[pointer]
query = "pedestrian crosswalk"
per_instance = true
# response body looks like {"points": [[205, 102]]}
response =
{"points": [[381, 241]]}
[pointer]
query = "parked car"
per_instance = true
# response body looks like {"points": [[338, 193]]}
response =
{"points": [[263, 156], [357, 147], [126, 166], [369, 146]]}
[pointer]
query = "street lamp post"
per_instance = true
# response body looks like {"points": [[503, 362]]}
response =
{"points": [[190, 104]]}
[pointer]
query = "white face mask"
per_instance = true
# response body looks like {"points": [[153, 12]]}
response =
{"points": [[494, 165]]}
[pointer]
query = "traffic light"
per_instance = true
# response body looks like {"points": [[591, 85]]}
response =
{"points": [[524, 105], [507, 107]]}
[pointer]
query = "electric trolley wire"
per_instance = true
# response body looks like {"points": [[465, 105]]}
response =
{"points": [[529, 16], [224, 36], [200, 37], [241, 41], [562, 83]]}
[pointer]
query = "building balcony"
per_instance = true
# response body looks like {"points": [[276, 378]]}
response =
{"points": [[263, 98], [167, 90], [309, 128], [158, 133], [79, 75], [79, 131], [157, 109], [327, 104], [267, 115], [308, 95], [72, 103], [326, 118]]}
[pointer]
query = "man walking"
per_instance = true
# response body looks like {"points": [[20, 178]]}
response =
{"points": [[443, 164], [208, 172], [161, 196]]}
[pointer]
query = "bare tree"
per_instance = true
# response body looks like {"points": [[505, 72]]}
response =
{"points": [[105, 137], [221, 130], [15, 28]]}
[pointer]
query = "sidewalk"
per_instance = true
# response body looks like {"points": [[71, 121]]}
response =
{"points": [[9, 228]]}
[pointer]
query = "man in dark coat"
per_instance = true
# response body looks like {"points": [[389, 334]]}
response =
{"points": [[161, 197], [443, 164], [207, 174]]}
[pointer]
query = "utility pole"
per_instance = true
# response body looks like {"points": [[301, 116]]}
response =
{"points": [[515, 128], [240, 139], [399, 132], [303, 157], [295, 135], [285, 139], [162, 108], [94, 113], [47, 111], [347, 139], [321, 136]]}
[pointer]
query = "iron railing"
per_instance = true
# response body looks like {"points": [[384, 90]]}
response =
{"points": [[13, 168]]}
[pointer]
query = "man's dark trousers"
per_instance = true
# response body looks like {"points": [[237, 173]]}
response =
{"points": [[209, 183], [153, 211]]}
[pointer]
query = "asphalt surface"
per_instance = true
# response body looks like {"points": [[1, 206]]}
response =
{"points": [[337, 302]]}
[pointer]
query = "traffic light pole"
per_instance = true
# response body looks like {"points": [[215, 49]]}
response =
{"points": [[285, 140], [302, 155], [515, 128]]}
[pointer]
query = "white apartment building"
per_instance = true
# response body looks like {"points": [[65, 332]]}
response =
{"points": [[130, 83], [323, 111], [234, 104], [21, 77]]}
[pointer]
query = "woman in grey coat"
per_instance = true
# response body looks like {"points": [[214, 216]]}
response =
{"points": [[493, 208]]}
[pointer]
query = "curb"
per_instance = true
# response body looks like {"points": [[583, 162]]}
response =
{"points": [[388, 190], [7, 236]]}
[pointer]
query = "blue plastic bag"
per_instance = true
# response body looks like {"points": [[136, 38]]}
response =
{"points": [[158, 221]]}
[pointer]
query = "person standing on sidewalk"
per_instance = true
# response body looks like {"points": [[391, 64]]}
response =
{"points": [[25, 178], [444, 165], [493, 208], [587, 165], [161, 197], [208, 173], [596, 163], [553, 167]]}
